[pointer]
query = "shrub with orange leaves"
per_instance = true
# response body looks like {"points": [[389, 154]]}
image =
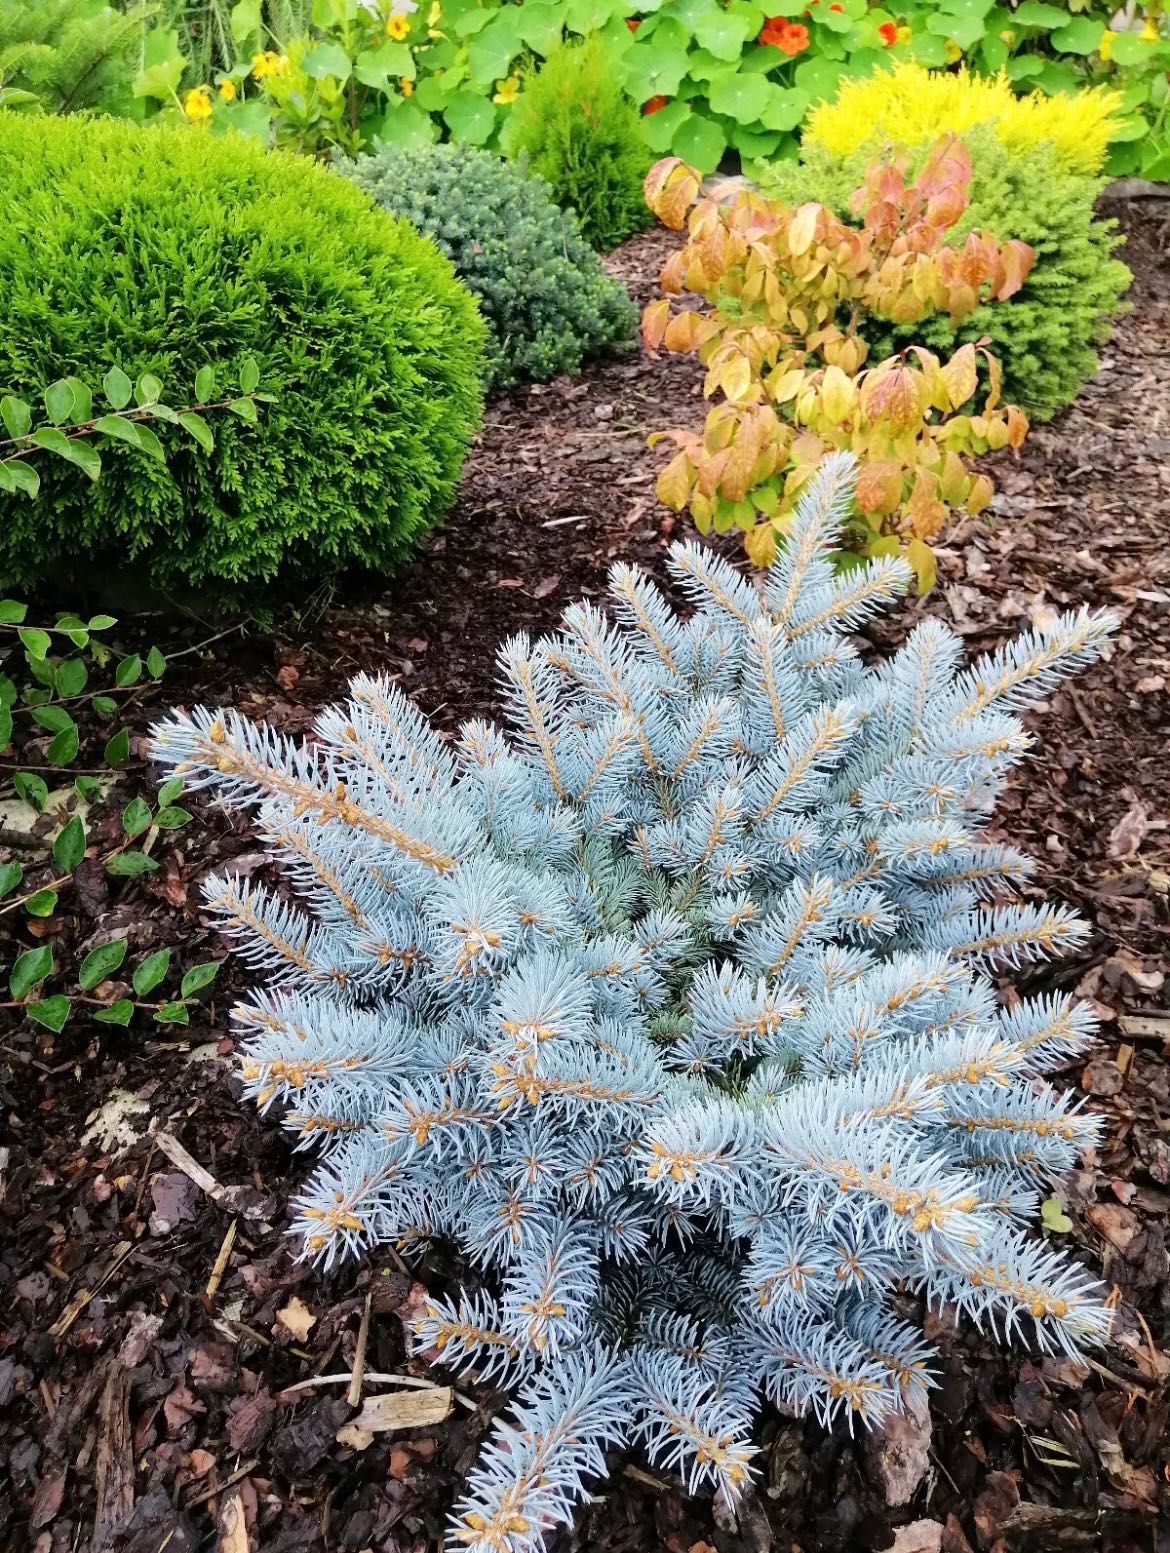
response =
{"points": [[785, 291]]}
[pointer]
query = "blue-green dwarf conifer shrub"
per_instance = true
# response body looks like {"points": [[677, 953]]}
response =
{"points": [[547, 301], [672, 1010], [150, 248]]}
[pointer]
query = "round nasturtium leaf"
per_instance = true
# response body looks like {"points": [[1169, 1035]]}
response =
{"points": [[722, 34], [785, 108], [658, 129], [654, 70], [741, 97], [470, 117], [541, 26], [404, 124], [700, 142], [1081, 36]]}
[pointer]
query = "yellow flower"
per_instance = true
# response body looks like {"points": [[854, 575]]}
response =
{"points": [[1149, 33], [904, 34], [1007, 36], [952, 51], [1105, 47], [406, 86], [197, 104], [397, 27], [507, 91], [433, 14], [267, 64], [227, 90]]}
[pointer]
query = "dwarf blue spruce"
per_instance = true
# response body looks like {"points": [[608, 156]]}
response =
{"points": [[672, 1010]]}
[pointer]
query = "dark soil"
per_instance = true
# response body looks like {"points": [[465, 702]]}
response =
{"points": [[141, 1412]]}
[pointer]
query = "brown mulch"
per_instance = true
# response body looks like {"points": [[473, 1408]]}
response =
{"points": [[140, 1412]]}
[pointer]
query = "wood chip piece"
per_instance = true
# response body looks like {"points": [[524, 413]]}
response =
{"points": [[404, 1410]]}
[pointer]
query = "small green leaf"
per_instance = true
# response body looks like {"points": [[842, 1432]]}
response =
{"points": [[12, 612], [136, 817], [69, 845], [16, 415], [173, 1014], [199, 976], [148, 390], [117, 750], [249, 376], [26, 477], [101, 963], [204, 384], [1053, 1216], [104, 706], [155, 663], [101, 622], [32, 789], [169, 791], [118, 426], [72, 449], [5, 727], [63, 746], [119, 1013], [71, 676], [128, 865], [172, 817], [151, 971], [195, 426], [10, 876], [52, 1012], [52, 718], [128, 672], [118, 388], [89, 789], [35, 641], [245, 409], [59, 401], [82, 400], [30, 970], [149, 443], [42, 904]]}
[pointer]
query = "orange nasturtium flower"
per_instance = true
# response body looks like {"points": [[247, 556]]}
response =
{"points": [[888, 33], [397, 27], [633, 23], [197, 104], [790, 38], [654, 104], [836, 7]]}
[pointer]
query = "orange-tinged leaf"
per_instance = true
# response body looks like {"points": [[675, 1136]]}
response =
{"points": [[654, 322], [960, 375], [1016, 260], [895, 396], [671, 188], [879, 486], [684, 331], [803, 228], [1017, 423]]}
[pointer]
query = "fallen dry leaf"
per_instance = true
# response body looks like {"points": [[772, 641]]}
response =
{"points": [[1118, 1225], [297, 1318], [357, 1439], [1130, 831], [233, 1527], [404, 1410]]}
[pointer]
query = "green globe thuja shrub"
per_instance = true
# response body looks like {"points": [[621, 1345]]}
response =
{"points": [[148, 248], [582, 135], [547, 301], [1046, 336]]}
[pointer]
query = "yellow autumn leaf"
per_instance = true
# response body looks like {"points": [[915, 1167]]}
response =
{"points": [[921, 558], [674, 483], [980, 494], [654, 322], [760, 544], [960, 375], [803, 228], [838, 396], [736, 378]]}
